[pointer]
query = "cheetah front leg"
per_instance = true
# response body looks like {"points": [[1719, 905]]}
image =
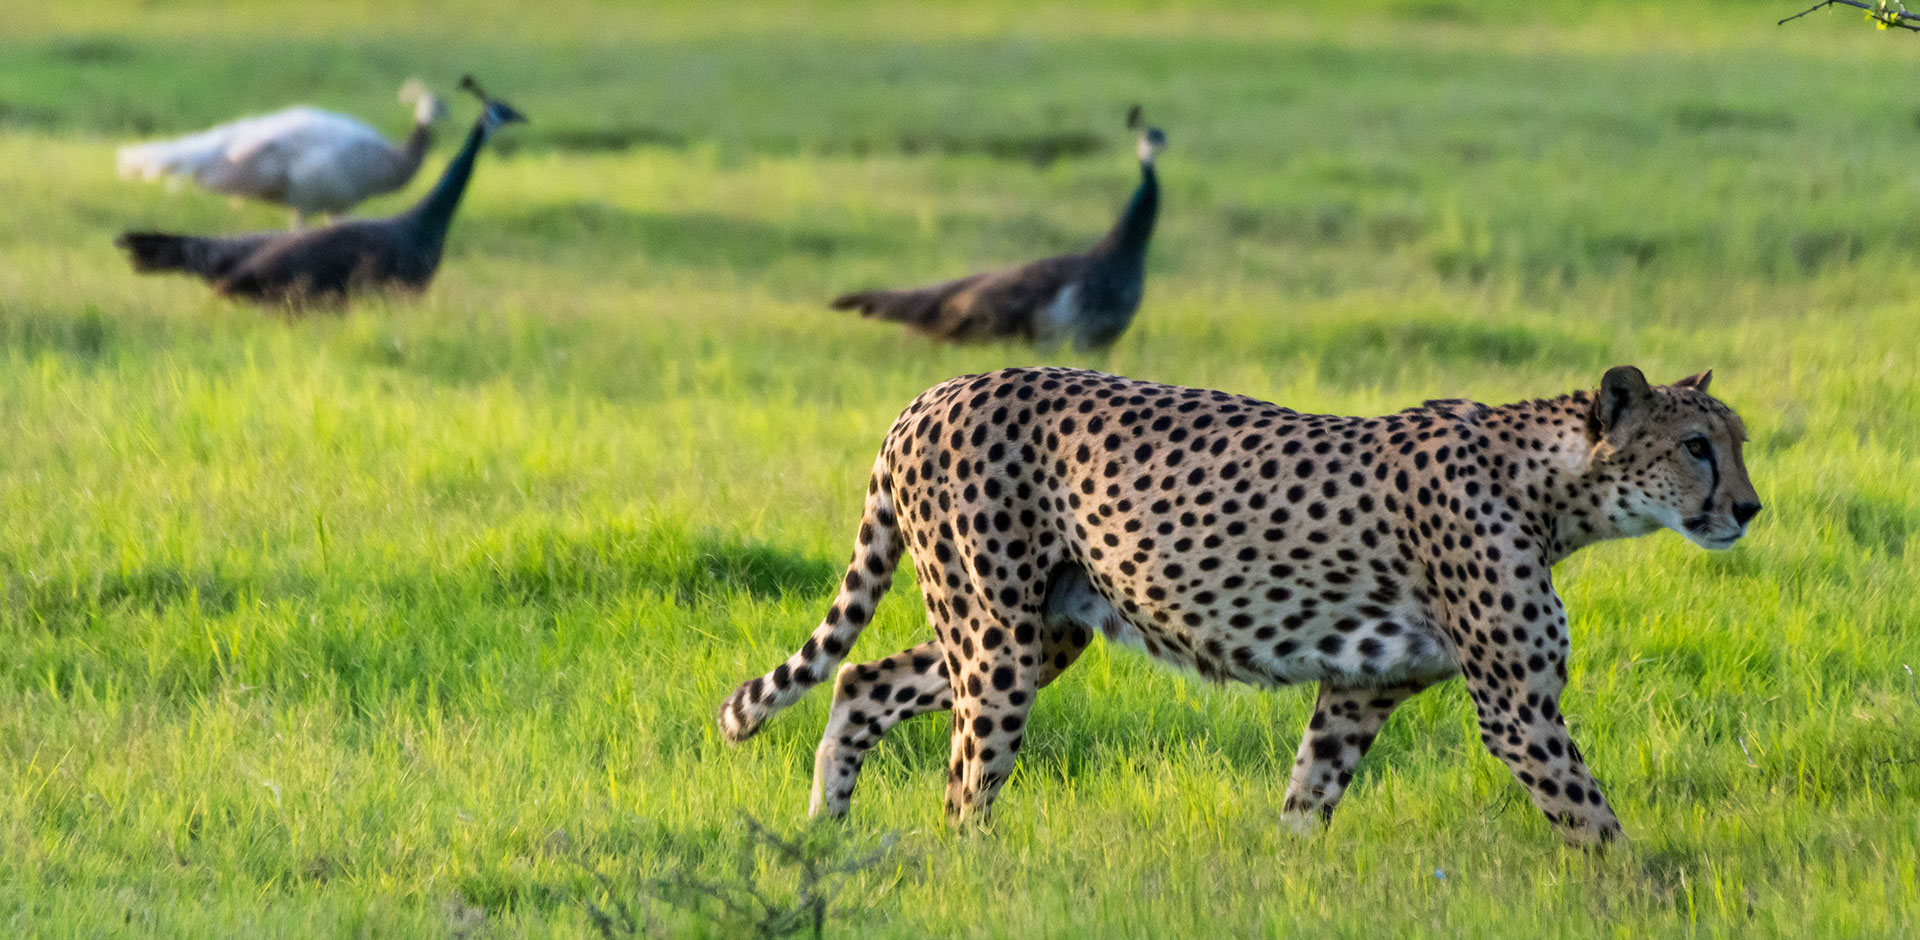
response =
{"points": [[1345, 721], [1521, 725], [1516, 689]]}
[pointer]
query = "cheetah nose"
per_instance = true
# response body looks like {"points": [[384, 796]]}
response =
{"points": [[1744, 511]]}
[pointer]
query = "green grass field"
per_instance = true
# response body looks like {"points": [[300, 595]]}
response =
{"points": [[412, 622]]}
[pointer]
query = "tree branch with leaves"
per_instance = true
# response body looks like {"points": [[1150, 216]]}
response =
{"points": [[1883, 14]]}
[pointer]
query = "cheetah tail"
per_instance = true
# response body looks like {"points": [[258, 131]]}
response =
{"points": [[869, 575]]}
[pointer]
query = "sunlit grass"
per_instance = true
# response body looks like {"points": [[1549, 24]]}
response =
{"points": [[390, 624]]}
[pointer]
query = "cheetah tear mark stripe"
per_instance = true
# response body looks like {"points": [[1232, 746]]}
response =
{"points": [[869, 574], [1713, 464], [1700, 522]]}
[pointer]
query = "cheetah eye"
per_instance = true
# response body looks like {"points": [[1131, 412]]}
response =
{"points": [[1698, 447]]}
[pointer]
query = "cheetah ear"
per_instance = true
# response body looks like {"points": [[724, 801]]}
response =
{"points": [[1623, 392], [1696, 382]]}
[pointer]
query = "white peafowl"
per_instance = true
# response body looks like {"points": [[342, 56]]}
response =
{"points": [[306, 159], [326, 265], [1089, 297]]}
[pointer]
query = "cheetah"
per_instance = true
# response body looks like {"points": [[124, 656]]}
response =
{"points": [[1245, 541]]}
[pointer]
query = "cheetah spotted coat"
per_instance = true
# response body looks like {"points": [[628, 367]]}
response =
{"points": [[1249, 542]]}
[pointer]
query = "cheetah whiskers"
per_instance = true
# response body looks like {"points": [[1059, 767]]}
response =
{"points": [[869, 575]]}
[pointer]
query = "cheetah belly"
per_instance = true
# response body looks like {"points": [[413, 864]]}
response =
{"points": [[1268, 643], [1346, 646]]}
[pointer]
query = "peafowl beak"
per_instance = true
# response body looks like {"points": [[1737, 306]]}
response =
{"points": [[503, 113]]}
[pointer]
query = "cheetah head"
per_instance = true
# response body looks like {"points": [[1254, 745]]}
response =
{"points": [[1671, 455]]}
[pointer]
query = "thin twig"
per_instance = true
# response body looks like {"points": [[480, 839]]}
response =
{"points": [[747, 906], [1889, 14], [627, 924], [686, 884]]}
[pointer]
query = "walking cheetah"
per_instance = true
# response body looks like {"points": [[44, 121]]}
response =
{"points": [[1245, 541]]}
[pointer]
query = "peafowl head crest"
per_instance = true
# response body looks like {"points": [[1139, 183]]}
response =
{"points": [[427, 106], [494, 112], [1152, 139]]}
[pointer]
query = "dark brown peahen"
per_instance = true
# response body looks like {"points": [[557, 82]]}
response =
{"points": [[1088, 298], [327, 265]]}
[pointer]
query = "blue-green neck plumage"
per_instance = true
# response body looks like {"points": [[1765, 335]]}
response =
{"points": [[1129, 235], [434, 213]]}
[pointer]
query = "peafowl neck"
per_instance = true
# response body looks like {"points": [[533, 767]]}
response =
{"points": [[435, 212], [1129, 235], [408, 159]]}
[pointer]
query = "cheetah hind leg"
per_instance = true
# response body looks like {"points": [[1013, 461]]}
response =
{"points": [[869, 699], [990, 707], [990, 704]]}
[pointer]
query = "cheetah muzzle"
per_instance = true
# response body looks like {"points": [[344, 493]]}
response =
{"points": [[1376, 556]]}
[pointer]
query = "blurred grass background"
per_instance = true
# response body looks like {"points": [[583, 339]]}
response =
{"points": [[402, 623]]}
